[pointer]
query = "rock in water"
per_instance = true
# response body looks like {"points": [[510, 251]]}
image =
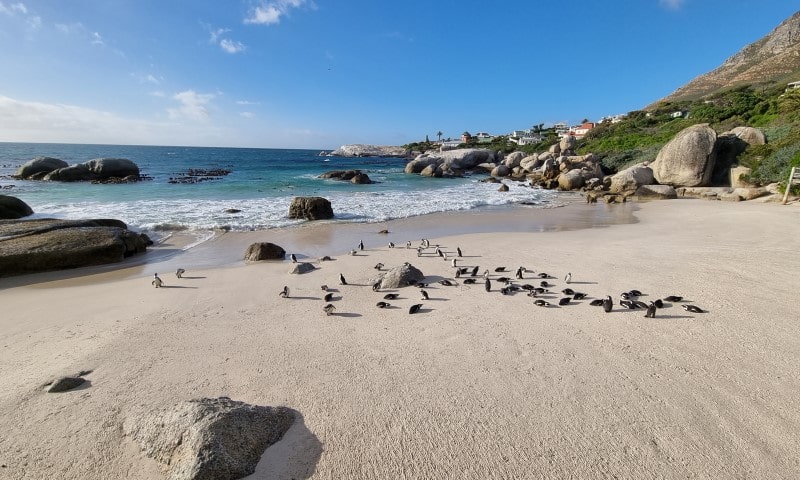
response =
{"points": [[264, 251], [39, 166], [13, 208], [688, 159], [209, 438], [311, 208]]}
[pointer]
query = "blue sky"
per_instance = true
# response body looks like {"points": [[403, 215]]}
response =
{"points": [[322, 73]]}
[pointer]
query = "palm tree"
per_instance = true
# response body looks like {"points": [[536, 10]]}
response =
{"points": [[439, 134]]}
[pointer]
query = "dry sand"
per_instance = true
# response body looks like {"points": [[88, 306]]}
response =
{"points": [[478, 385]]}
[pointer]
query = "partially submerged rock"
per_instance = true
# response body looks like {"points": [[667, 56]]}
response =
{"points": [[12, 208], [32, 169], [311, 208], [208, 438], [98, 169]]}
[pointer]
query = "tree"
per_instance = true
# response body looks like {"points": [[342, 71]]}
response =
{"points": [[439, 134]]}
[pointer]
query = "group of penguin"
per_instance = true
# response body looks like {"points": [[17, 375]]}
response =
{"points": [[628, 300]]}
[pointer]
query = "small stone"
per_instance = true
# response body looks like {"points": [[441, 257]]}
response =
{"points": [[65, 383]]}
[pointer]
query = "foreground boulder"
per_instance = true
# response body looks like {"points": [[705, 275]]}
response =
{"points": [[631, 178], [208, 438], [32, 246], [401, 276], [39, 166], [13, 208], [688, 159], [311, 208], [264, 251], [301, 268]]}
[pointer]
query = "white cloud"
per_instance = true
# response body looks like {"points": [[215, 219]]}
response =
{"points": [[248, 114], [193, 105], [231, 46], [247, 102], [269, 12], [97, 39], [672, 4], [13, 8], [70, 29], [215, 34]]}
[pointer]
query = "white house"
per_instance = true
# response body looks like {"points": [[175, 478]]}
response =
{"points": [[793, 85]]}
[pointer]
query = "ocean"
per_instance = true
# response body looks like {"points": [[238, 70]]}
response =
{"points": [[261, 185]]}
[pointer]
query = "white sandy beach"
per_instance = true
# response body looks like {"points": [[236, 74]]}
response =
{"points": [[478, 385]]}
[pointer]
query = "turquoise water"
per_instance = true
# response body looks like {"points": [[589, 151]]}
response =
{"points": [[261, 184]]}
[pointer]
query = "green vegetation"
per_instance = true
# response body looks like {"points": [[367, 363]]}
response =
{"points": [[641, 134]]}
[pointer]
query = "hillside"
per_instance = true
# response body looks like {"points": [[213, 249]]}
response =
{"points": [[772, 59]]}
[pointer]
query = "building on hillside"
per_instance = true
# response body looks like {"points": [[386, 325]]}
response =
{"points": [[450, 144], [484, 137], [561, 128], [612, 118], [527, 139], [679, 114], [793, 85], [581, 130], [466, 137]]}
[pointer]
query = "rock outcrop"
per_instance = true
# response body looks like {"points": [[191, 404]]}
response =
{"points": [[208, 438], [99, 169], [688, 159], [31, 246], [660, 192], [631, 179], [264, 251], [311, 208], [452, 162], [13, 208], [750, 135], [36, 168], [361, 150]]}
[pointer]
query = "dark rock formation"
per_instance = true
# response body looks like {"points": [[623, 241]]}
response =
{"points": [[13, 208], [39, 166], [198, 175], [688, 159], [361, 179], [31, 246], [94, 170], [311, 208], [264, 251], [344, 175], [208, 438]]}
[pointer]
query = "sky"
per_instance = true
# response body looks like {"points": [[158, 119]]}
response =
{"points": [[322, 73]]}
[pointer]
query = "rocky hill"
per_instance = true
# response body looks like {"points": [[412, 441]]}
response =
{"points": [[774, 58]]}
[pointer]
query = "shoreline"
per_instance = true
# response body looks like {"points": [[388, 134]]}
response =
{"points": [[477, 385]]}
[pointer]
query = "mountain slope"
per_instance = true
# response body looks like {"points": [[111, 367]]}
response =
{"points": [[774, 58]]}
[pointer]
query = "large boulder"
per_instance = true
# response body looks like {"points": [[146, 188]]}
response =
{"points": [[688, 159], [311, 208], [571, 180], [421, 163], [632, 178], [500, 171], [567, 144], [13, 208], [32, 246], [361, 179], [39, 165], [208, 438], [431, 170], [452, 160], [345, 175], [401, 276], [98, 169], [264, 251], [531, 163], [751, 135], [513, 159]]}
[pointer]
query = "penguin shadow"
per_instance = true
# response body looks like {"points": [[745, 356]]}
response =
{"points": [[582, 283], [175, 286], [346, 315], [305, 298], [192, 278], [673, 317]]}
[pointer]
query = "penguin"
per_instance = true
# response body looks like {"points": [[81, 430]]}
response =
{"points": [[475, 271], [285, 292], [419, 251], [544, 284], [519, 273], [408, 244], [157, 281], [488, 285], [342, 281], [659, 303], [608, 304], [597, 302], [505, 291], [328, 297], [578, 296], [568, 291], [625, 296], [564, 301], [378, 266], [692, 308], [543, 275], [486, 273], [325, 258], [651, 310], [391, 296], [526, 286], [415, 308], [672, 299], [376, 286], [505, 280], [568, 278], [635, 293], [382, 305], [444, 256], [469, 281], [639, 304], [458, 251], [353, 252], [361, 244], [446, 283], [541, 303], [329, 309], [391, 244], [293, 257], [500, 269], [426, 243], [454, 263], [424, 294], [179, 273], [439, 252], [627, 304], [324, 288]]}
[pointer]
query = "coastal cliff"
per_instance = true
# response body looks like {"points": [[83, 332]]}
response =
{"points": [[362, 150]]}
